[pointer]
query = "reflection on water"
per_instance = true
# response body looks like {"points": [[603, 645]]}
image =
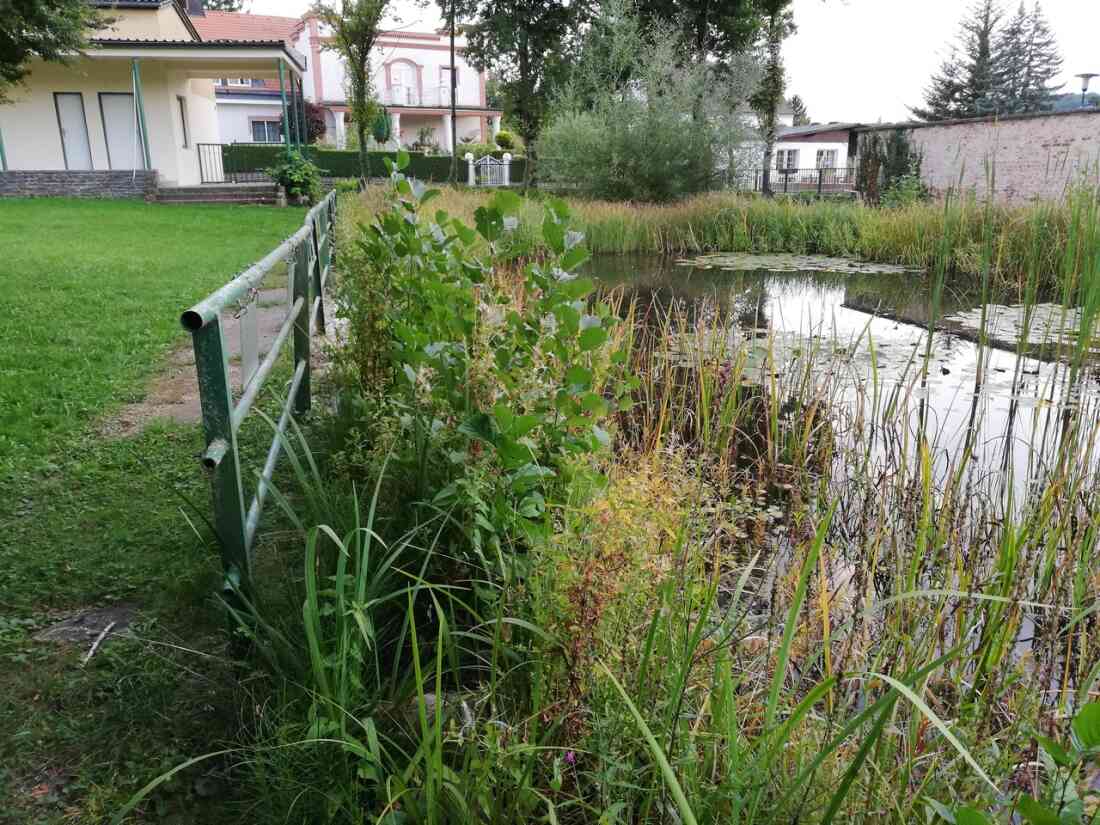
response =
{"points": [[868, 333]]}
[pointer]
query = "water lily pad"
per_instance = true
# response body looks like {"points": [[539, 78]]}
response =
{"points": [[747, 261]]}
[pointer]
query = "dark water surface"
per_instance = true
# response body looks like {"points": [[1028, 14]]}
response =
{"points": [[1005, 399]]}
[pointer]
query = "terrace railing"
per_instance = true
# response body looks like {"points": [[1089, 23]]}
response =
{"points": [[821, 181], [308, 254]]}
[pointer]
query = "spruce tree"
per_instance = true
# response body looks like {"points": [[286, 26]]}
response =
{"points": [[1042, 63], [1011, 60], [798, 109], [966, 84]]}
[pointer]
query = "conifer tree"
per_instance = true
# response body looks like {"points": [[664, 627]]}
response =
{"points": [[798, 109], [966, 84], [1043, 63]]}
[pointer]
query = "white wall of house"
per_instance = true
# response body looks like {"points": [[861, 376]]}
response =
{"points": [[807, 154], [235, 118], [32, 134]]}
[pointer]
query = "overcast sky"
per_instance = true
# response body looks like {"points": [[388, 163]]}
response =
{"points": [[859, 60]]}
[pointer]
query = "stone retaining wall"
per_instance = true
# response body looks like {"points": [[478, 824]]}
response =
{"points": [[79, 184], [1027, 157]]}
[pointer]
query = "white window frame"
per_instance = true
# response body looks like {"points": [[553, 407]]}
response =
{"points": [[268, 124], [827, 158], [786, 159]]}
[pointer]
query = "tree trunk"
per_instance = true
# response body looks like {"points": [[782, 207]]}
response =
{"points": [[364, 155]]}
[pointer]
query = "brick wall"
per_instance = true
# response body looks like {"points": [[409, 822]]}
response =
{"points": [[1034, 157], [80, 184]]}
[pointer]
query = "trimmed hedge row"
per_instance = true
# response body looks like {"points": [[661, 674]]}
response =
{"points": [[335, 163]]}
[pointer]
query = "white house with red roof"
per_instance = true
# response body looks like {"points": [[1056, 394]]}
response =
{"points": [[411, 73], [128, 114]]}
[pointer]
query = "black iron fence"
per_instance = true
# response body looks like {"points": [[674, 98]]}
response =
{"points": [[819, 181]]}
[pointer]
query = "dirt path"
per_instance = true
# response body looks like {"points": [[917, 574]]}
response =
{"points": [[173, 394]]}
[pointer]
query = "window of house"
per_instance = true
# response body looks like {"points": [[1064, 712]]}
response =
{"points": [[267, 131], [183, 120], [826, 158], [786, 159], [239, 81]]}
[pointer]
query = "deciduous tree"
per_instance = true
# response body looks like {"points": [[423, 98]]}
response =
{"points": [[718, 29], [52, 30], [354, 25], [779, 23], [527, 45]]}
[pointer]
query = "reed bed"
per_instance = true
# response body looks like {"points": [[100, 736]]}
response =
{"points": [[1021, 236]]}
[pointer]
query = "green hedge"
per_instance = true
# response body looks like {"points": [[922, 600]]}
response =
{"points": [[255, 157]]}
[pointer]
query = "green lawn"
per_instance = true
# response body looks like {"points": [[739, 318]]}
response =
{"points": [[92, 294], [93, 291]]}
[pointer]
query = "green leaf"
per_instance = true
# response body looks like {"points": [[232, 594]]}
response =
{"points": [[1086, 726], [1035, 813], [478, 426], [464, 233], [970, 816], [576, 289], [592, 338], [490, 223], [574, 258], [402, 159], [1055, 751], [578, 377], [602, 435], [505, 202], [593, 403], [941, 810], [532, 506], [559, 209], [554, 235]]}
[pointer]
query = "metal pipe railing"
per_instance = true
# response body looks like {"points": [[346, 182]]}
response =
{"points": [[308, 254]]}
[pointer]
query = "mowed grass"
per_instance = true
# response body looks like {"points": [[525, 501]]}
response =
{"points": [[93, 292], [92, 295]]}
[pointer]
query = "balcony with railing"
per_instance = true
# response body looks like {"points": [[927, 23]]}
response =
{"points": [[432, 97]]}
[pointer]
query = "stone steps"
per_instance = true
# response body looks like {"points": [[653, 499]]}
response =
{"points": [[243, 193]]}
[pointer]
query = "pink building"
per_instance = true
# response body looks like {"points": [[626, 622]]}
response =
{"points": [[411, 73]]}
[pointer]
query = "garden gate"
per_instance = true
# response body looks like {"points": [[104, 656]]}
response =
{"points": [[488, 171], [308, 254]]}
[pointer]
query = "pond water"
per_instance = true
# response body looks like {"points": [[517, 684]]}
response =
{"points": [[1005, 399]]}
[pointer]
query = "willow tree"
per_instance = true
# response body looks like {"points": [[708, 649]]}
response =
{"points": [[354, 25]]}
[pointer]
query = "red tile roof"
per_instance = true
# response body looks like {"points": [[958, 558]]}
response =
{"points": [[227, 25]]}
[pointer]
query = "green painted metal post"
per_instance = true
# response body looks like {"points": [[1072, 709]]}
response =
{"points": [[3, 156], [139, 102], [301, 289], [320, 254], [220, 457], [286, 119], [305, 121]]}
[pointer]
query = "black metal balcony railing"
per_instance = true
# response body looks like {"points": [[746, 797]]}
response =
{"points": [[820, 181]]}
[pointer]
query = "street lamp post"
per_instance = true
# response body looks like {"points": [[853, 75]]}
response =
{"points": [[1085, 78]]}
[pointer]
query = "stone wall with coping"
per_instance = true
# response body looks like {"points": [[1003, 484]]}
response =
{"points": [[78, 184], [1018, 157]]}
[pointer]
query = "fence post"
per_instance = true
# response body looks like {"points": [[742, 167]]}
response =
{"points": [[300, 276], [470, 179], [786, 181], [319, 264], [220, 456], [820, 180], [507, 168]]}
